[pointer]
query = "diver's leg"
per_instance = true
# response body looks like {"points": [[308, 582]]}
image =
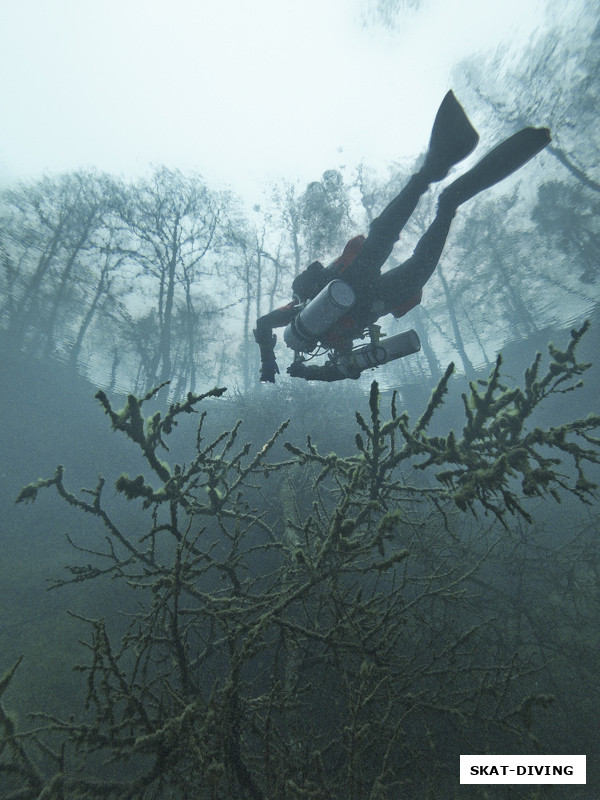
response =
{"points": [[406, 280], [384, 231], [401, 283], [499, 163], [452, 139]]}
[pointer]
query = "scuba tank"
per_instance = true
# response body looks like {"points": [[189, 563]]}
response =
{"points": [[303, 332], [376, 353]]}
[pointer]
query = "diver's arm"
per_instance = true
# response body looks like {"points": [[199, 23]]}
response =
{"points": [[266, 339]]}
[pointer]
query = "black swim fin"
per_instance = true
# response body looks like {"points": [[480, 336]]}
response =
{"points": [[452, 139], [499, 163]]}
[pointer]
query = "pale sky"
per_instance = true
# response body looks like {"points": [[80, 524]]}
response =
{"points": [[243, 91]]}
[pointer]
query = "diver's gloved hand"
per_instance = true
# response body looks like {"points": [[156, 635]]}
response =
{"points": [[296, 369], [323, 372], [268, 370]]}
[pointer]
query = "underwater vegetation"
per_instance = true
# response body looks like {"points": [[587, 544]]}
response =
{"points": [[306, 625]]}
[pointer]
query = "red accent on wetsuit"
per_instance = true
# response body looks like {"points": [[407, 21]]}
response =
{"points": [[351, 250], [408, 305]]}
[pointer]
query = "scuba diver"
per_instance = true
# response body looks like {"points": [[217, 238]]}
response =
{"points": [[334, 305]]}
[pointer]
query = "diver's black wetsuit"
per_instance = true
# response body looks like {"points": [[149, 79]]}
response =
{"points": [[399, 289]]}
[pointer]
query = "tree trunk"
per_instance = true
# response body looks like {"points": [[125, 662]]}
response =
{"points": [[87, 320], [428, 352], [22, 311], [167, 325], [458, 340], [62, 286], [574, 170]]}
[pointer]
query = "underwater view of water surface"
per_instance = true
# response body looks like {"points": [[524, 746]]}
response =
{"points": [[299, 380]]}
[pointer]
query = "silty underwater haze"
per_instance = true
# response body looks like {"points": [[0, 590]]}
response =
{"points": [[334, 618]]}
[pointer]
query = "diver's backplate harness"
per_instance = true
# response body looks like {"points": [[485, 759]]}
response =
{"points": [[318, 316]]}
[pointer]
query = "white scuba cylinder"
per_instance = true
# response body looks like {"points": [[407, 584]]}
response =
{"points": [[303, 332], [372, 355]]}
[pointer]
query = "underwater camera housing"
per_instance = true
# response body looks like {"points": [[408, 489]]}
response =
{"points": [[303, 332]]}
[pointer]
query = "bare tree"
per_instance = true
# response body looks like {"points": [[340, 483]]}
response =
{"points": [[173, 224], [325, 215], [261, 269], [568, 215], [560, 73], [49, 235]]}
